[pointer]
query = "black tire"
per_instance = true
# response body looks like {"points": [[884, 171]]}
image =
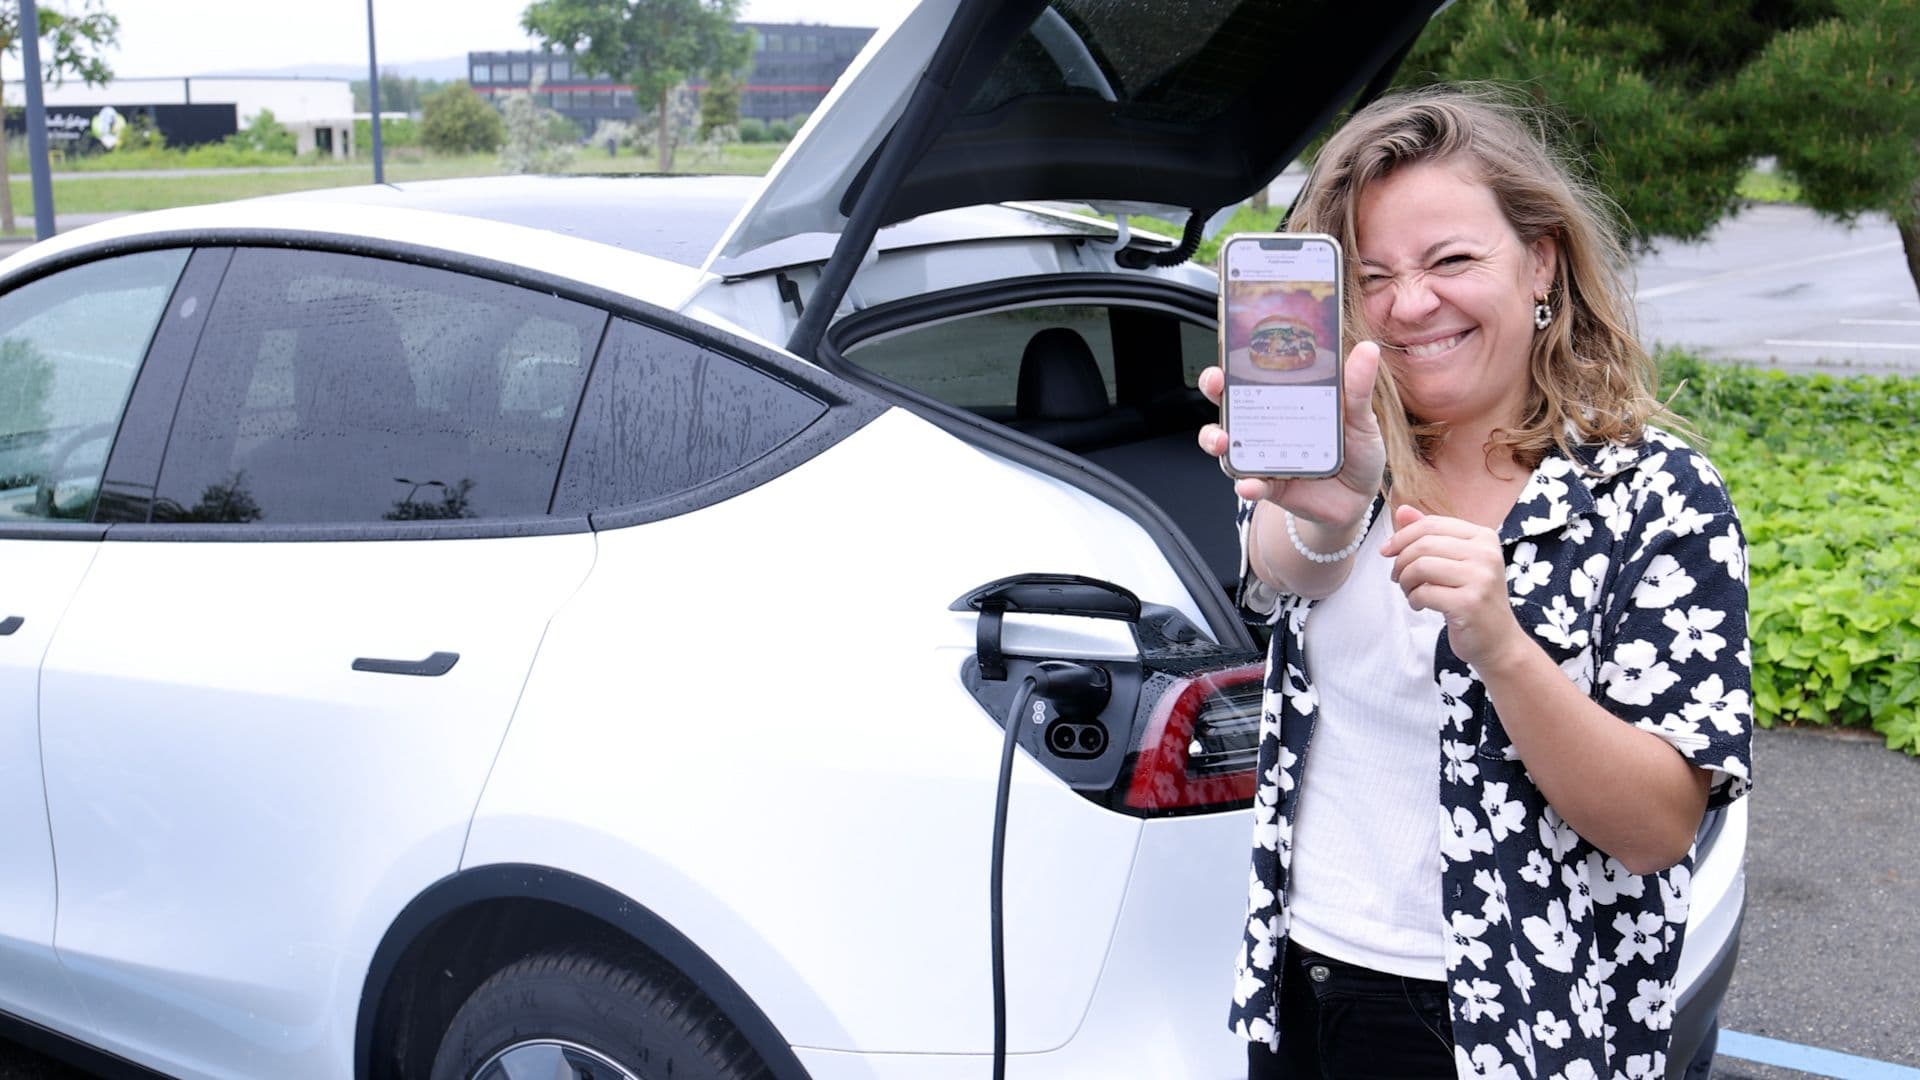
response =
{"points": [[646, 1019]]}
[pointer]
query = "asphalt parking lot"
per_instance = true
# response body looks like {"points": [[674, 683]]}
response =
{"points": [[1829, 950]]}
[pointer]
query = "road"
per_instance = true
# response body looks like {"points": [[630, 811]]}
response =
{"points": [[1778, 285]]}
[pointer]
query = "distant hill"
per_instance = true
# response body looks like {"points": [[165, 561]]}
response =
{"points": [[444, 70]]}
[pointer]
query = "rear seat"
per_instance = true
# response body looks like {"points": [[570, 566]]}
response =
{"points": [[1062, 400]]}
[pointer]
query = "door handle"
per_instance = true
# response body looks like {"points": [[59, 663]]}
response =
{"points": [[9, 624], [437, 664]]}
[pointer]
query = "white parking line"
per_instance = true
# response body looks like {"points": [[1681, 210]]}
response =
{"points": [[1842, 344], [1757, 271]]}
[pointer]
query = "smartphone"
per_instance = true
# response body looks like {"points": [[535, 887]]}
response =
{"points": [[1280, 304]]}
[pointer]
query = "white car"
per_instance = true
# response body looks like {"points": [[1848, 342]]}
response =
{"points": [[564, 627]]}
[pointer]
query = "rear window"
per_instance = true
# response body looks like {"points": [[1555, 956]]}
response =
{"points": [[973, 362], [1168, 61]]}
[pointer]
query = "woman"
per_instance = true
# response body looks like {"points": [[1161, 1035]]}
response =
{"points": [[1512, 631]]}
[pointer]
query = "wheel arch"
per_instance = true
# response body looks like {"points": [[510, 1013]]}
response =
{"points": [[466, 926]]}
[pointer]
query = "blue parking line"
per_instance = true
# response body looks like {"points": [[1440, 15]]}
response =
{"points": [[1809, 1059]]}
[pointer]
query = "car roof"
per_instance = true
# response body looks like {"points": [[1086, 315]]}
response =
{"points": [[676, 218], [680, 218], [641, 236], [505, 247]]}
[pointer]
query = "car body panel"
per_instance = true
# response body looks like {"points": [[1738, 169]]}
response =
{"points": [[239, 813], [887, 764], [41, 578]]}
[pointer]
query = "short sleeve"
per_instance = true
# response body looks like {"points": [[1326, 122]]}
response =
{"points": [[1676, 661]]}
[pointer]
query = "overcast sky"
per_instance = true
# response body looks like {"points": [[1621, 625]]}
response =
{"points": [[186, 37]]}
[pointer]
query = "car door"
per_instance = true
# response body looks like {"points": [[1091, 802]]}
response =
{"points": [[71, 343], [272, 706]]}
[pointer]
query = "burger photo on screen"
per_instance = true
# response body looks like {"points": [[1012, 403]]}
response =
{"points": [[1281, 344]]}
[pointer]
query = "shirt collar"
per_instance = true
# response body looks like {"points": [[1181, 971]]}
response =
{"points": [[1562, 487]]}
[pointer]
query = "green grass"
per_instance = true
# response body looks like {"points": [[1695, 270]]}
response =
{"points": [[1766, 187], [100, 191]]}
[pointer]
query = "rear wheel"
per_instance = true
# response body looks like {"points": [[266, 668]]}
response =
{"points": [[584, 1016]]}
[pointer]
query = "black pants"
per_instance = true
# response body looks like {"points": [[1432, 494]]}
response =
{"points": [[1341, 1022]]}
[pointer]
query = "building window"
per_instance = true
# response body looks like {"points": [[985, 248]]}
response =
{"points": [[562, 69], [480, 73]]}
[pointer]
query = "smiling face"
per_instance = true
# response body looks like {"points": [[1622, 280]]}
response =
{"points": [[1448, 288]]}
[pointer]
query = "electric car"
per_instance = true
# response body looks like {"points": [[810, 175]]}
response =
{"points": [[566, 626]]}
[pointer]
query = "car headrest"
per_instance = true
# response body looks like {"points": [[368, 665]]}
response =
{"points": [[350, 369], [1059, 379]]}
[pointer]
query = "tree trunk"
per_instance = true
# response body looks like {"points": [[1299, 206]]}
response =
{"points": [[662, 137], [1909, 227], [6, 181]]}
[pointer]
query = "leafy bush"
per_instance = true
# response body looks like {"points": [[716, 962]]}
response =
{"points": [[539, 140], [266, 135], [454, 120], [1822, 468], [779, 131], [753, 129]]}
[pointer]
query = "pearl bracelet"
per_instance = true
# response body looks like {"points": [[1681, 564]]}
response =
{"points": [[1293, 534]]}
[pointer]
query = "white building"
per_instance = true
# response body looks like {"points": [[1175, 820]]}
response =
{"points": [[319, 112]]}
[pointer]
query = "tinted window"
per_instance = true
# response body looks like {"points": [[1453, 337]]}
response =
{"points": [[664, 415], [974, 361], [70, 345], [338, 389], [1179, 61]]}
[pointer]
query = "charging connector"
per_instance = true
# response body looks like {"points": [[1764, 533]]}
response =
{"points": [[1078, 692]]}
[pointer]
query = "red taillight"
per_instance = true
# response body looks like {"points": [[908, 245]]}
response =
{"points": [[1199, 748]]}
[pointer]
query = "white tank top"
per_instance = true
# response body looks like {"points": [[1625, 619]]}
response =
{"points": [[1365, 872]]}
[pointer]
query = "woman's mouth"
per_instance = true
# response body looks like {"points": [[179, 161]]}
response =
{"points": [[1428, 349]]}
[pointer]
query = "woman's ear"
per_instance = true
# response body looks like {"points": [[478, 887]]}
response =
{"points": [[1546, 260]]}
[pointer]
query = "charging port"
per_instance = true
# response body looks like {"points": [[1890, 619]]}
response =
{"points": [[1077, 738]]}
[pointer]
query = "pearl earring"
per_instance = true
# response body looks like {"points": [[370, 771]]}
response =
{"points": [[1542, 313]]}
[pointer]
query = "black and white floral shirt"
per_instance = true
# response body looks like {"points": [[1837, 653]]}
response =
{"points": [[1628, 566]]}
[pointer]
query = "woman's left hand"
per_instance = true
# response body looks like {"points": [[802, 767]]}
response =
{"points": [[1455, 567]]}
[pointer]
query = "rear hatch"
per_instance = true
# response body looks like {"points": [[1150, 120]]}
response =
{"points": [[1175, 105]]}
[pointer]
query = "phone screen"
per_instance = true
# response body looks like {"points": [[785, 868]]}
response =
{"points": [[1280, 349]]}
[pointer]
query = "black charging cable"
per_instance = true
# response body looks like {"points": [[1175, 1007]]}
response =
{"points": [[1078, 688]]}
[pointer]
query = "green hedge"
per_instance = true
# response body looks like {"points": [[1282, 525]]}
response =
{"points": [[1823, 470]]}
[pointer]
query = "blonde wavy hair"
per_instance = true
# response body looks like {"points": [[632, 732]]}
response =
{"points": [[1591, 380]]}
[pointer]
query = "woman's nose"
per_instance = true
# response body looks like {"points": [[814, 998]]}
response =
{"points": [[1411, 299]]}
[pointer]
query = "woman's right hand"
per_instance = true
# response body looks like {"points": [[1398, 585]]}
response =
{"points": [[1337, 502]]}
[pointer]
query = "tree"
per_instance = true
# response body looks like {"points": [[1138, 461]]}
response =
{"points": [[1834, 102], [720, 103], [454, 120], [398, 93], [72, 44], [1671, 103], [539, 140], [652, 45]]}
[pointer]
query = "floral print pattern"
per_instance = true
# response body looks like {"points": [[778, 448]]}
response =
{"points": [[1628, 566]]}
